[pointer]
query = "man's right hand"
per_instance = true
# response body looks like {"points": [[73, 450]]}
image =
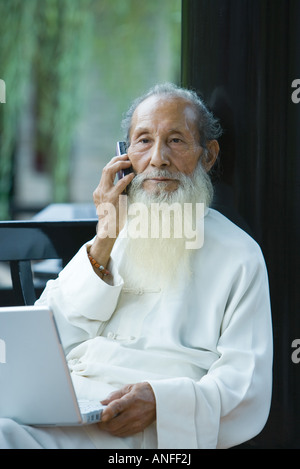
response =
{"points": [[109, 193]]}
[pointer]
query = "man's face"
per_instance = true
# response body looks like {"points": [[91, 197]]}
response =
{"points": [[164, 136]]}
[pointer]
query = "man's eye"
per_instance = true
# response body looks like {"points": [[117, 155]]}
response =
{"points": [[176, 140], [144, 140]]}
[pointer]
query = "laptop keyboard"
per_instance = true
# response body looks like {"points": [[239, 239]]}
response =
{"points": [[90, 410]]}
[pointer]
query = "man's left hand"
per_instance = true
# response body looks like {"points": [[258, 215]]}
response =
{"points": [[129, 410]]}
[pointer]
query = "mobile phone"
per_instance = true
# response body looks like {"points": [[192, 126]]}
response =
{"points": [[121, 150]]}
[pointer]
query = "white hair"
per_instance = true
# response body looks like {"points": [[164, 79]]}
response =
{"points": [[208, 126]]}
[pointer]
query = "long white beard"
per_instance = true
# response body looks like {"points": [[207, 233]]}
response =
{"points": [[152, 262]]}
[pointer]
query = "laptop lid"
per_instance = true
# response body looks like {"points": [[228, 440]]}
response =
{"points": [[35, 383]]}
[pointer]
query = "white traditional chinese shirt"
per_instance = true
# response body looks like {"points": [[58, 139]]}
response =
{"points": [[204, 343]]}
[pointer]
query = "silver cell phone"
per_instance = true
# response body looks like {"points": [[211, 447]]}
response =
{"points": [[121, 150]]}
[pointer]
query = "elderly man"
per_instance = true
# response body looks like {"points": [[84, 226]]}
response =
{"points": [[175, 342]]}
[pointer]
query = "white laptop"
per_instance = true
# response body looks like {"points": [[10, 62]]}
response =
{"points": [[35, 383]]}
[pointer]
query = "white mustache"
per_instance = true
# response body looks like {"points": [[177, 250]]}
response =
{"points": [[160, 173]]}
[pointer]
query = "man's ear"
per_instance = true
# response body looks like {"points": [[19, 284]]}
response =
{"points": [[210, 156]]}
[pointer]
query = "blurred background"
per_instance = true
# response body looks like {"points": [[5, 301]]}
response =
{"points": [[71, 69]]}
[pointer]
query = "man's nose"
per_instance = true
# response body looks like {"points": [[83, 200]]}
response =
{"points": [[159, 155]]}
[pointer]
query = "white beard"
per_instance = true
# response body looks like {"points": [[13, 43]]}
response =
{"points": [[150, 262]]}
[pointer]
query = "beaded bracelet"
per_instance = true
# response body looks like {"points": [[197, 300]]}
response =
{"points": [[96, 265]]}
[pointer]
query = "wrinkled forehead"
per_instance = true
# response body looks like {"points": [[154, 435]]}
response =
{"points": [[171, 111]]}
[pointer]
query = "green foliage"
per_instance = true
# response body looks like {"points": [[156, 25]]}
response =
{"points": [[16, 52], [54, 44], [140, 41], [64, 40]]}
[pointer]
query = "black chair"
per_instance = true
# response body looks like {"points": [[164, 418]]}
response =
{"points": [[22, 242]]}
